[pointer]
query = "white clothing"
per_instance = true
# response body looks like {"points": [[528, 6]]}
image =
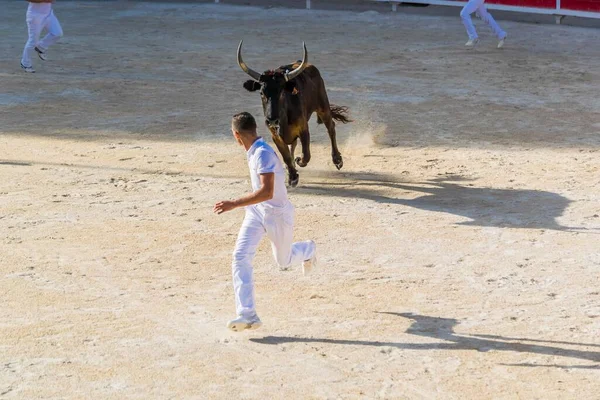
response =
{"points": [[478, 6], [263, 159], [40, 8], [275, 219], [40, 16]]}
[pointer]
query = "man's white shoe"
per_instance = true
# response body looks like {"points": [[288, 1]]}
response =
{"points": [[242, 323], [308, 265], [41, 53], [501, 42], [27, 69], [472, 42]]}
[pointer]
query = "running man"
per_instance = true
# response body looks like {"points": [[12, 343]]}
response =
{"points": [[478, 7], [40, 16], [268, 211]]}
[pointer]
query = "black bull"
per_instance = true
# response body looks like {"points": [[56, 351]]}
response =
{"points": [[290, 95]]}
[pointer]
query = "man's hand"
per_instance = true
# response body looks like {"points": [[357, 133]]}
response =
{"points": [[223, 206], [267, 187]]}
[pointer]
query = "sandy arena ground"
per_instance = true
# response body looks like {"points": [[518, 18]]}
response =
{"points": [[459, 245]]}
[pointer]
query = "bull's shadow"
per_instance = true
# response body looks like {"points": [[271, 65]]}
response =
{"points": [[510, 208], [443, 329]]}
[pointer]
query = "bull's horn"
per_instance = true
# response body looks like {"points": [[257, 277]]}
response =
{"points": [[255, 75], [291, 75]]}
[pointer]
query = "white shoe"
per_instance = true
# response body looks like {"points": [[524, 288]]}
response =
{"points": [[242, 323], [472, 42], [41, 54], [307, 265], [27, 69], [501, 42]]}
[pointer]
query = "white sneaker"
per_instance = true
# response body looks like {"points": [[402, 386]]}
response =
{"points": [[242, 323], [41, 53], [501, 42], [307, 265], [472, 42], [27, 69]]}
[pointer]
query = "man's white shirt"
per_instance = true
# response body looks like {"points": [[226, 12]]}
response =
{"points": [[262, 159]]}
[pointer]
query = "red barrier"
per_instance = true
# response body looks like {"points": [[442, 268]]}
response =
{"points": [[525, 3], [559, 8], [581, 5]]}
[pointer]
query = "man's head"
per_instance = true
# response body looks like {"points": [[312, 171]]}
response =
{"points": [[243, 127]]}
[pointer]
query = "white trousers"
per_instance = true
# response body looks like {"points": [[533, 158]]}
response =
{"points": [[37, 19], [478, 7], [278, 225]]}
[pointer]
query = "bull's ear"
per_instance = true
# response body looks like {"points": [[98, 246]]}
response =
{"points": [[291, 87], [251, 86]]}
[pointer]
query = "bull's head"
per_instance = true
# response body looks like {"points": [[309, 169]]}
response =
{"points": [[271, 85]]}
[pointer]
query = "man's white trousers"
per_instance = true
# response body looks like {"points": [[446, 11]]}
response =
{"points": [[37, 19], [278, 225], [478, 6]]}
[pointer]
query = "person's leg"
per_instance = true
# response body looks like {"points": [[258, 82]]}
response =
{"points": [[465, 15], [248, 239], [55, 32], [34, 28], [280, 231], [488, 19]]}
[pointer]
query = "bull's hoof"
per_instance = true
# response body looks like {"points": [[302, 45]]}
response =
{"points": [[300, 163], [338, 162], [294, 181]]}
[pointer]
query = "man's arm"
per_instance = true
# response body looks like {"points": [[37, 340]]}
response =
{"points": [[267, 187]]}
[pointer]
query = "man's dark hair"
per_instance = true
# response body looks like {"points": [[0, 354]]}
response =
{"points": [[244, 122]]}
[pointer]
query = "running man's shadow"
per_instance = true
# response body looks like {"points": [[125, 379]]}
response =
{"points": [[443, 329], [510, 208], [15, 163]]}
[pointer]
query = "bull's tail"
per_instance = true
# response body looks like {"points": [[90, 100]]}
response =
{"points": [[338, 113]]}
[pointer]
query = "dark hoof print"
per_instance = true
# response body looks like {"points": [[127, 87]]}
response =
{"points": [[299, 162]]}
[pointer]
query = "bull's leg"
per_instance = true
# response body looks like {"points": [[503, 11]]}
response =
{"points": [[284, 150], [305, 141], [293, 148], [336, 157]]}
